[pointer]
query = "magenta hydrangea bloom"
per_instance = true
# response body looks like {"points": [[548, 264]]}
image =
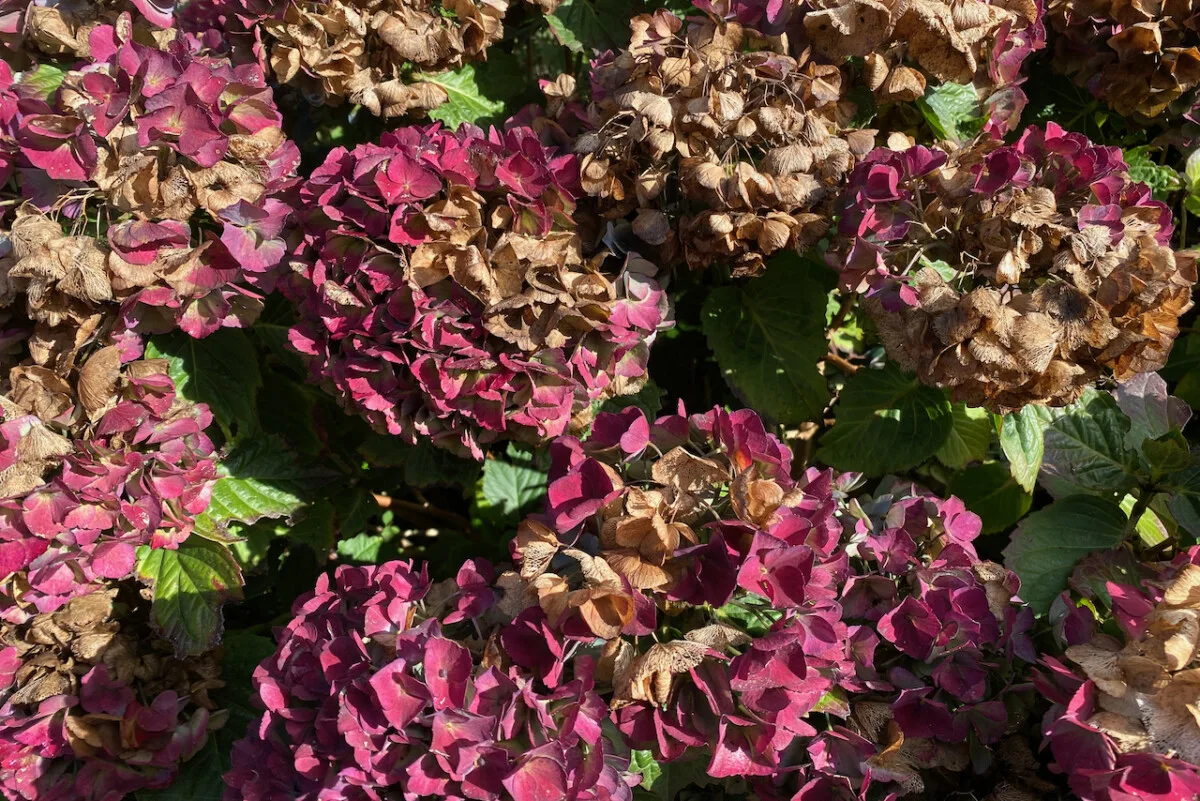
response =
{"points": [[372, 694], [444, 291], [74, 512], [685, 586], [164, 140]]}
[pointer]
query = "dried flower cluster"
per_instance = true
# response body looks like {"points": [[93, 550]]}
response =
{"points": [[378, 691], [95, 707], [1142, 59], [121, 166], [1014, 274], [444, 291], [364, 51], [907, 46], [720, 608], [63, 28], [1125, 722], [718, 153]]}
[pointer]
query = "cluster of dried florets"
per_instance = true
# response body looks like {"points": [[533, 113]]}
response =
{"points": [[95, 707], [133, 468], [445, 293], [683, 585], [363, 51], [718, 154], [62, 28], [121, 165], [1125, 724], [378, 690], [1142, 59], [1014, 274], [907, 46]]}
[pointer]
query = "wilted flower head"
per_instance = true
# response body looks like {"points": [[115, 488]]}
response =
{"points": [[684, 585], [95, 706], [372, 693], [361, 51], [717, 154], [147, 141], [135, 469], [63, 28], [445, 293], [1014, 273], [1142, 59], [1125, 724]]}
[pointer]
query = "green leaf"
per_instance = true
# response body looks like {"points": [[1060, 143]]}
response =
{"points": [[1184, 498], [1149, 527], [1048, 543], [990, 491], [425, 464], [220, 370], [1152, 411], [510, 489], [262, 478], [887, 421], [768, 336], [1159, 177], [1183, 367], [44, 79], [952, 111], [644, 764], [585, 26], [969, 438], [473, 98], [190, 584], [1166, 454], [362, 549], [1022, 439], [1085, 449]]}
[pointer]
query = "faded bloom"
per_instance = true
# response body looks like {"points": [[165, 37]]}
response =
{"points": [[1014, 274], [445, 292], [63, 28]]}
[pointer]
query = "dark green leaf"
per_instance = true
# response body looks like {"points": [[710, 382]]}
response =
{"points": [[1085, 449], [586, 26], [190, 585], [510, 489], [220, 370], [424, 464], [990, 491], [1161, 178], [969, 439], [1151, 410], [199, 778], [649, 399], [887, 421], [262, 478], [1048, 543], [1022, 438], [769, 335]]}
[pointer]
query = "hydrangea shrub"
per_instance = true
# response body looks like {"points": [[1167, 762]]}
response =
{"points": [[1014, 273], [445, 292]]}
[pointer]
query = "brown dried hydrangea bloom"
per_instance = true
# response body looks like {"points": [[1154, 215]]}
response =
{"points": [[718, 154], [1141, 57], [1014, 274], [358, 50]]}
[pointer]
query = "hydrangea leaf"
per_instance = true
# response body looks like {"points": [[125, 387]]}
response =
{"points": [[1151, 409], [952, 111], [199, 778], [1149, 526], [1161, 178], [1183, 367], [220, 370], [262, 478], [1085, 449], [887, 421], [990, 491], [424, 464], [1183, 501], [1022, 437], [190, 584], [473, 98], [44, 79], [1048, 543], [969, 439], [510, 489], [590, 25], [769, 335], [649, 399]]}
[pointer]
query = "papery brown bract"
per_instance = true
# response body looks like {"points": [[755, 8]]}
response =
{"points": [[445, 292], [33, 29], [1055, 266]]}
